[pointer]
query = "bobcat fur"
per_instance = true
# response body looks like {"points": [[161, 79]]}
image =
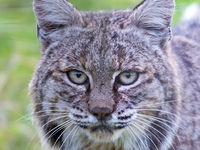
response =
{"points": [[159, 111]]}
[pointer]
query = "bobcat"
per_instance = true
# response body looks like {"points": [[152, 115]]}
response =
{"points": [[116, 80]]}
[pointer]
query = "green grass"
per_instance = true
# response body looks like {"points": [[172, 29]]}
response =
{"points": [[19, 54]]}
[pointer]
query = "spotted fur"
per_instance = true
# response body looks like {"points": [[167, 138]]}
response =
{"points": [[157, 112]]}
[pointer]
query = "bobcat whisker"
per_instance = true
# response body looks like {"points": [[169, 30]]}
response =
{"points": [[163, 102], [158, 110], [168, 129], [61, 135], [25, 117], [144, 122], [165, 124], [46, 139], [46, 103], [74, 135], [139, 126], [135, 125], [56, 129], [53, 105], [160, 120], [149, 131], [38, 114], [49, 113], [137, 137], [51, 121], [159, 103], [72, 130], [54, 119]]}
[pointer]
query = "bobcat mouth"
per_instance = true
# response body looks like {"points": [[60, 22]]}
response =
{"points": [[103, 132], [102, 128], [98, 128]]}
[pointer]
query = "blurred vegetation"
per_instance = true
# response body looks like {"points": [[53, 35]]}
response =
{"points": [[19, 54]]}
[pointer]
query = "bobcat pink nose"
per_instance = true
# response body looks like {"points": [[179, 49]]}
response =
{"points": [[101, 112]]}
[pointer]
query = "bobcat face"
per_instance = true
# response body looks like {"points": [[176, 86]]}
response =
{"points": [[104, 76]]}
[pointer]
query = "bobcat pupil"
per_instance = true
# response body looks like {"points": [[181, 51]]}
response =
{"points": [[127, 74], [78, 74]]}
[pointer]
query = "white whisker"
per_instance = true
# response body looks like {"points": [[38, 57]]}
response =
{"points": [[158, 110], [136, 137], [68, 136], [159, 120], [144, 122], [136, 126], [61, 135], [58, 128]]}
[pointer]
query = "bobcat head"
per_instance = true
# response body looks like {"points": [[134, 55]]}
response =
{"points": [[104, 78]]}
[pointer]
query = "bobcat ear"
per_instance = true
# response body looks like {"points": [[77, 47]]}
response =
{"points": [[53, 14], [155, 17]]}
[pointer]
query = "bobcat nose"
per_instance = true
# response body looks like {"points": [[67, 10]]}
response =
{"points": [[101, 112]]}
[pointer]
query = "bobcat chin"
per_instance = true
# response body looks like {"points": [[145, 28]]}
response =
{"points": [[116, 80]]}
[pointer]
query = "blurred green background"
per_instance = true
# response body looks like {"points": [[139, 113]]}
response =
{"points": [[19, 54]]}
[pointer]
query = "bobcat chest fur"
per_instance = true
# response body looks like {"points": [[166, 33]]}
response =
{"points": [[114, 80]]}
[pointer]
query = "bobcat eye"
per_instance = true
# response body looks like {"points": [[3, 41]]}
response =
{"points": [[127, 77], [77, 77]]}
